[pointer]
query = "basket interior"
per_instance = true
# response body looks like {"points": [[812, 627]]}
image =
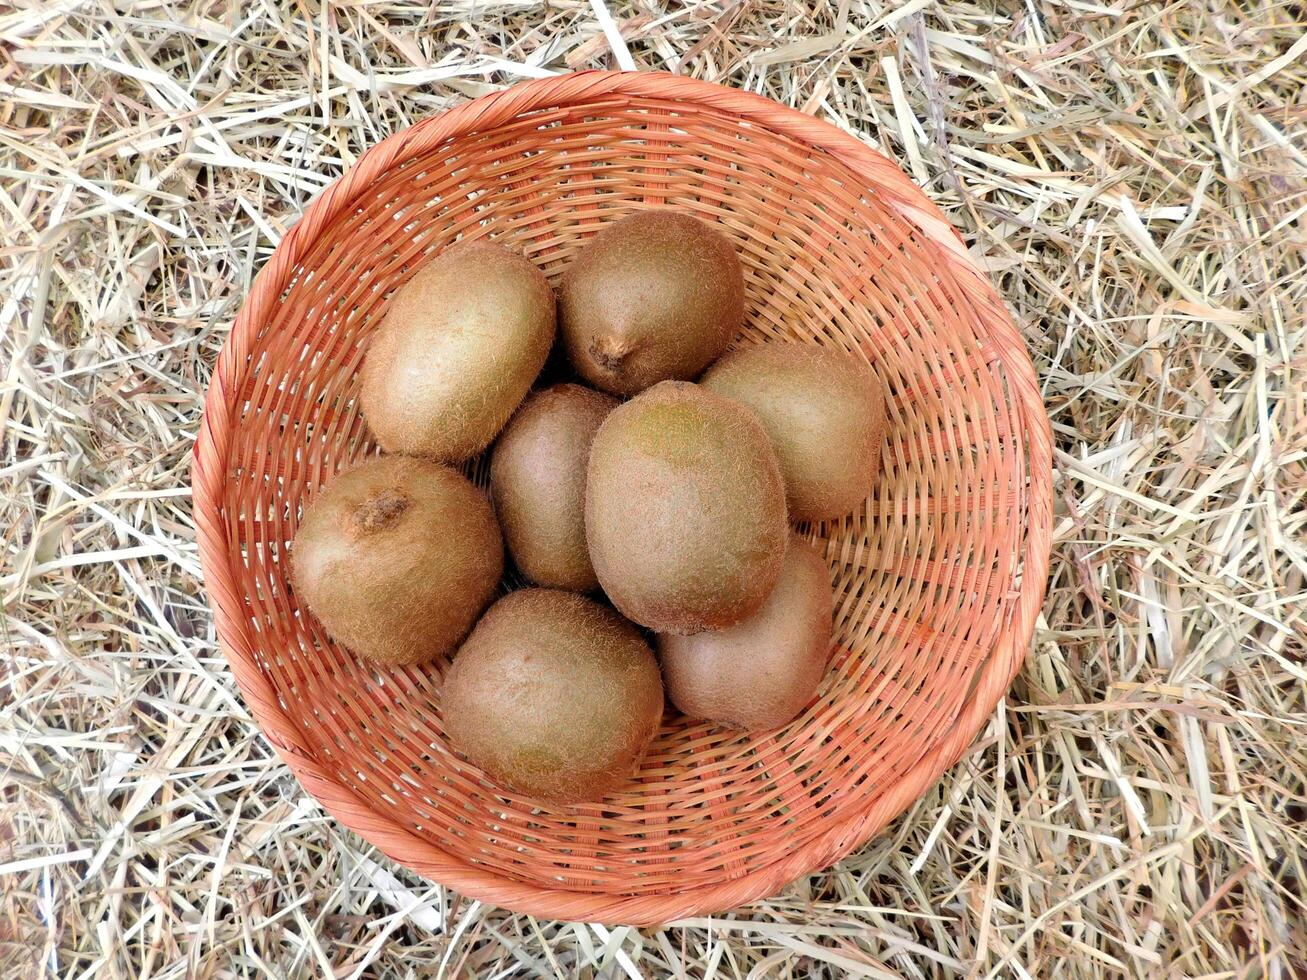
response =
{"points": [[925, 573]]}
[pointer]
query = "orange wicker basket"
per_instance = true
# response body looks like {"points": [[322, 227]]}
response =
{"points": [[938, 578]]}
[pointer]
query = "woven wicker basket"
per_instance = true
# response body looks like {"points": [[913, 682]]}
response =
{"points": [[938, 578]]}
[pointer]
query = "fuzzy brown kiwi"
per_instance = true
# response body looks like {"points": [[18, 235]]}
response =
{"points": [[758, 674], [553, 695], [656, 296], [537, 481], [684, 509], [396, 558], [456, 352], [825, 413]]}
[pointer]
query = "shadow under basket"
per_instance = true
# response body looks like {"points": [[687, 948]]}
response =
{"points": [[938, 576]]}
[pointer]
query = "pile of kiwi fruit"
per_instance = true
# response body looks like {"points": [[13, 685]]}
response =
{"points": [[643, 510]]}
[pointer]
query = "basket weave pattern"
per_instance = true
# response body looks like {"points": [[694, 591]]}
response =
{"points": [[938, 578]]}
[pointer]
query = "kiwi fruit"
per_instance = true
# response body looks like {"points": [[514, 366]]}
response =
{"points": [[825, 413], [396, 558], [655, 296], [684, 509], [759, 673], [537, 482], [553, 695], [457, 350]]}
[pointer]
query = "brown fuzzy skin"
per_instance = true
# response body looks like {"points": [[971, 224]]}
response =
{"points": [[760, 673], [537, 481], [656, 296], [554, 695], [396, 558], [457, 351], [825, 413], [684, 510]]}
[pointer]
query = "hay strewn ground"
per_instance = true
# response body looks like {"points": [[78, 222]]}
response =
{"points": [[1135, 177]]}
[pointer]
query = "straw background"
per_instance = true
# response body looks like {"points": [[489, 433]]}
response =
{"points": [[1134, 177]]}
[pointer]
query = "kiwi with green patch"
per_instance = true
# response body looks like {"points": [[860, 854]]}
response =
{"points": [[396, 558], [458, 349], [537, 481], [759, 673], [825, 413], [553, 695], [655, 296], [684, 509]]}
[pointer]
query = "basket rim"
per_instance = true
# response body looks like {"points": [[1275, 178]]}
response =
{"points": [[237, 640]]}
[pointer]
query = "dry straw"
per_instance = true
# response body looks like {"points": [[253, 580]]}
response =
{"points": [[1134, 179]]}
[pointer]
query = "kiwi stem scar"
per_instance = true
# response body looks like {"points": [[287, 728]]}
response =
{"points": [[381, 511]]}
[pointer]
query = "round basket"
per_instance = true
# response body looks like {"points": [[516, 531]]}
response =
{"points": [[938, 578]]}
